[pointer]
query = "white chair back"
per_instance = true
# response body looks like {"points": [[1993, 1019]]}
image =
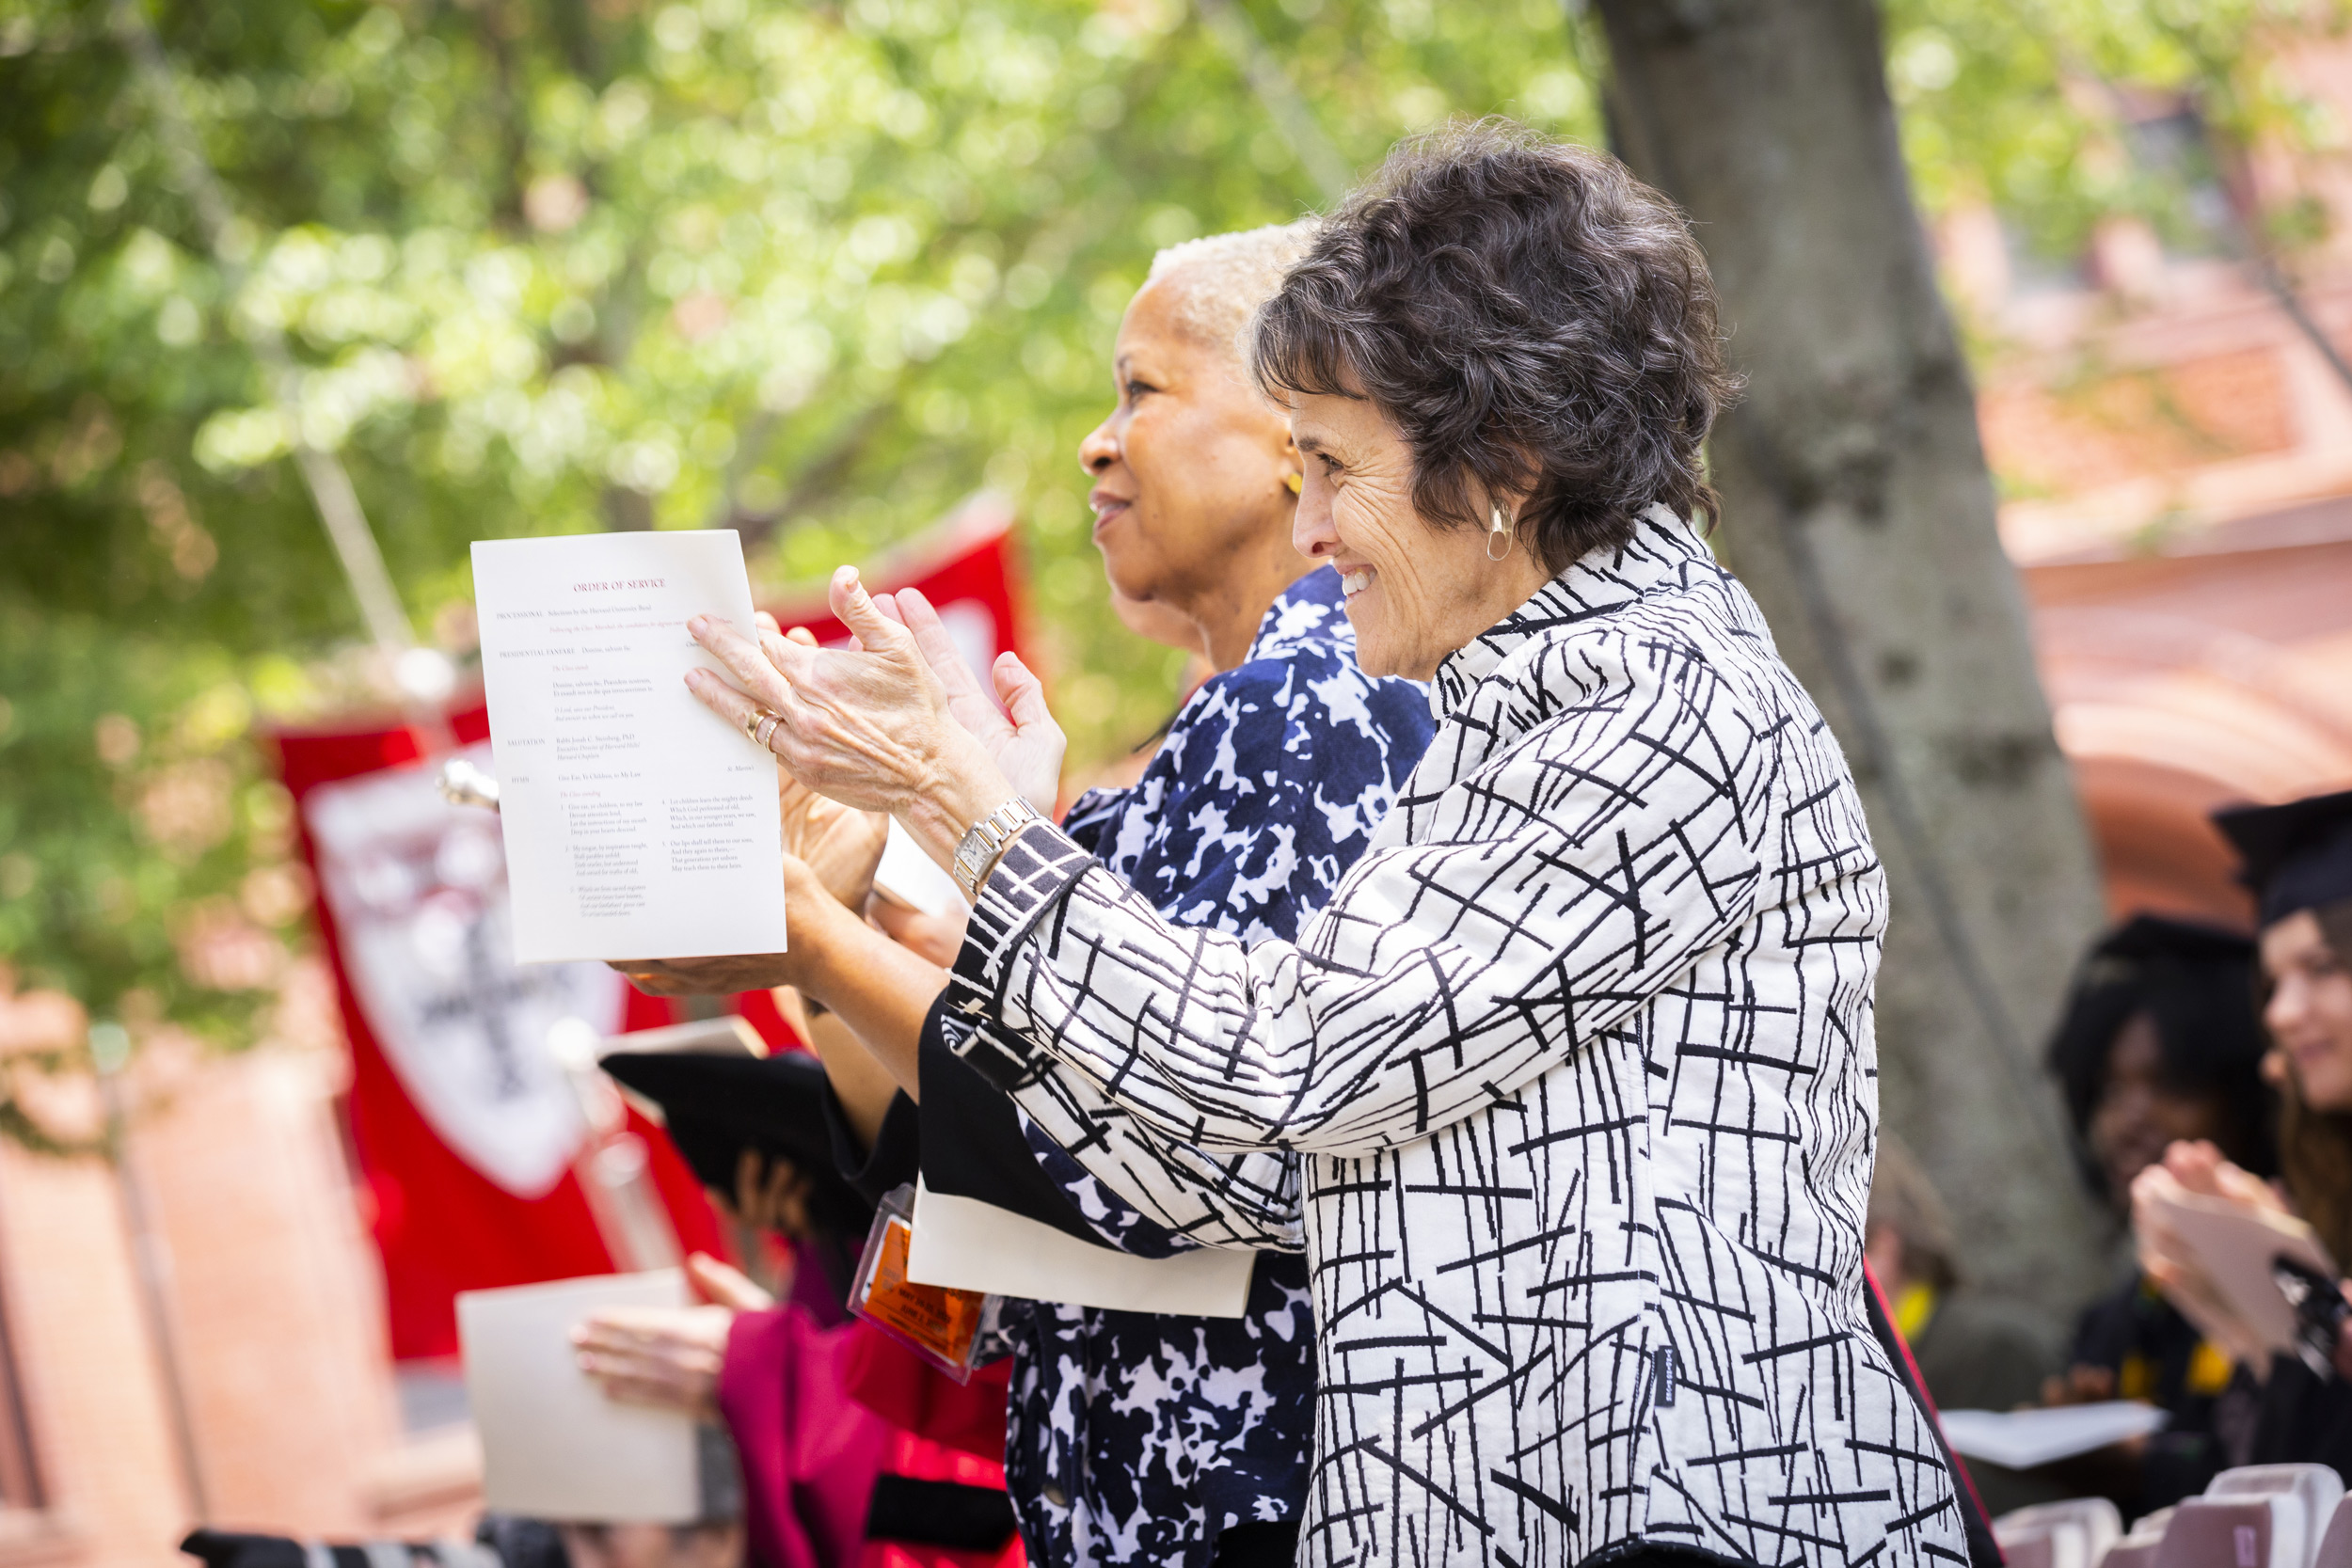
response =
{"points": [[2317, 1489], [2335, 1542], [2075, 1533], [2137, 1547], [2257, 1530]]}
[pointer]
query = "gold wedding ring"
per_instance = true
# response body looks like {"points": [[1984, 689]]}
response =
{"points": [[759, 725]]}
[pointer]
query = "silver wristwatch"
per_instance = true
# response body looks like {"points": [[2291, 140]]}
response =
{"points": [[987, 840]]}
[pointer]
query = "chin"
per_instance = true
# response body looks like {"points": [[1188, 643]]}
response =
{"points": [[1373, 654], [2329, 1088]]}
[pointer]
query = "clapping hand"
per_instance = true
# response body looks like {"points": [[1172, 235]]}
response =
{"points": [[823, 840], [2168, 1264], [874, 726], [1029, 745], [840, 844]]}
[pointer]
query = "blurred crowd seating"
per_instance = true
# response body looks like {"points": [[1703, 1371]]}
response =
{"points": [[2259, 1516]]}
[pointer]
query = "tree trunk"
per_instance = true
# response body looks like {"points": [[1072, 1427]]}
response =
{"points": [[1859, 511]]}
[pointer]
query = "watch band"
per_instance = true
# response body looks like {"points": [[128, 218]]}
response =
{"points": [[977, 855]]}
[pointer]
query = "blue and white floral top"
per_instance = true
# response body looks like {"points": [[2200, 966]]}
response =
{"points": [[1136, 1438]]}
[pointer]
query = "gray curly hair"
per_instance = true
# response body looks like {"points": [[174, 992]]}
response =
{"points": [[1227, 276]]}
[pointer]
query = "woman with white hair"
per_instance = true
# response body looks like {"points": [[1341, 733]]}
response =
{"points": [[1135, 1438]]}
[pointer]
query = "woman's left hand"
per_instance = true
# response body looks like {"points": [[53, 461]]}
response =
{"points": [[868, 727]]}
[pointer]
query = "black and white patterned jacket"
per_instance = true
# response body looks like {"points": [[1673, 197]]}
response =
{"points": [[1569, 1092]]}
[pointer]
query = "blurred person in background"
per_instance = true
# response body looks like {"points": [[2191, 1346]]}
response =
{"points": [[1151, 1438], [2298, 859], [829, 1481], [2161, 1043], [1973, 1353]]}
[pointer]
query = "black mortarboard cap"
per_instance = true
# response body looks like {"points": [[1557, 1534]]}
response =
{"points": [[2157, 938], [2298, 856], [717, 1106]]}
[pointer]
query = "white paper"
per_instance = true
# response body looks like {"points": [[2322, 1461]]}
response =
{"points": [[639, 824], [2234, 1248], [2022, 1439], [971, 1245], [553, 1447]]}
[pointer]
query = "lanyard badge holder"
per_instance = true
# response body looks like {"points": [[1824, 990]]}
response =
{"points": [[946, 1327]]}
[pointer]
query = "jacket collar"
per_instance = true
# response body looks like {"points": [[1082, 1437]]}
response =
{"points": [[1661, 555]]}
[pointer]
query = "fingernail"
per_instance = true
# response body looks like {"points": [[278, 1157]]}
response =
{"points": [[697, 625]]}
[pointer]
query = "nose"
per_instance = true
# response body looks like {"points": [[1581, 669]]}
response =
{"points": [[1099, 449], [1312, 534], [2285, 1008]]}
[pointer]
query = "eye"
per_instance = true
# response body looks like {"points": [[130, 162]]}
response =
{"points": [[1138, 391]]}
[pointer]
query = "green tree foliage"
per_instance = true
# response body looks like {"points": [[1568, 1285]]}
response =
{"points": [[813, 271], [2030, 105]]}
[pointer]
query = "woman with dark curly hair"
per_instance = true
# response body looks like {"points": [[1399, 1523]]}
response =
{"points": [[2160, 1042], [1567, 1093]]}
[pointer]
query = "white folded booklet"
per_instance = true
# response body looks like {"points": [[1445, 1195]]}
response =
{"points": [[552, 1446], [639, 824], [2022, 1439], [971, 1245]]}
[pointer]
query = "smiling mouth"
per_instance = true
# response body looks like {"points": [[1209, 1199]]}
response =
{"points": [[1353, 583], [1108, 511]]}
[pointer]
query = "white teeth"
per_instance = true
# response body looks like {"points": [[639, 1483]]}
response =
{"points": [[1352, 583]]}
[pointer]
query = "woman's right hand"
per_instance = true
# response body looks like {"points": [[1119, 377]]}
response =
{"points": [[1027, 746]]}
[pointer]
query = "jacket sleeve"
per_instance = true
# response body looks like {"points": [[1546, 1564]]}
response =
{"points": [[1533, 903], [1269, 787]]}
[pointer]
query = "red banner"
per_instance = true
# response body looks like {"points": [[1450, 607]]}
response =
{"points": [[966, 568], [463, 1130]]}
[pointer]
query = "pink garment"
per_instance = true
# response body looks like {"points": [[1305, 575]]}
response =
{"points": [[809, 1453]]}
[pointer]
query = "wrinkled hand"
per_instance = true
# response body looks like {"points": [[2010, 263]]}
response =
{"points": [[840, 847], [866, 726], [1028, 746]]}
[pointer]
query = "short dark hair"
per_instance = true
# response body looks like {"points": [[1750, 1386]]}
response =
{"points": [[1531, 316], [2197, 985]]}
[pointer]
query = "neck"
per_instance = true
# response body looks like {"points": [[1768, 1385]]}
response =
{"points": [[1229, 610]]}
